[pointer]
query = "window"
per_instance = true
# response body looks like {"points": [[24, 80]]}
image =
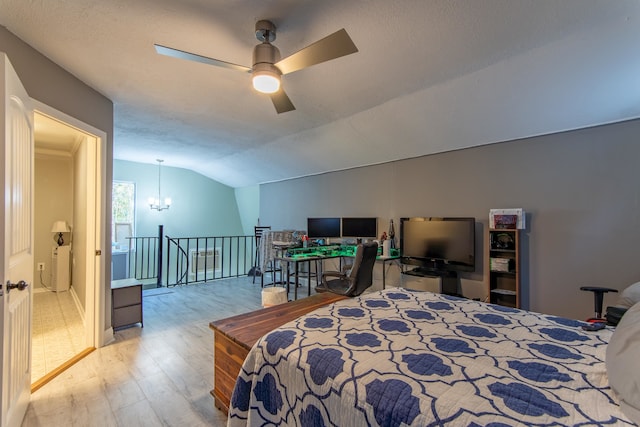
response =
{"points": [[123, 212]]}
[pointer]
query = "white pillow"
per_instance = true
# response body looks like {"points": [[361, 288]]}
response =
{"points": [[629, 296], [623, 353]]}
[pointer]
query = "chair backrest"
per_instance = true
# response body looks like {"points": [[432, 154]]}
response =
{"points": [[361, 275], [258, 231]]}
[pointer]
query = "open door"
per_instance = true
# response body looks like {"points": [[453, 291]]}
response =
{"points": [[16, 232]]}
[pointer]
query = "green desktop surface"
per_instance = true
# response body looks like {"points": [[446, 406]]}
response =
{"points": [[298, 255], [331, 251]]}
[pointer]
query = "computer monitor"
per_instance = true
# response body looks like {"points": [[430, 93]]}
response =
{"points": [[323, 228], [360, 227]]}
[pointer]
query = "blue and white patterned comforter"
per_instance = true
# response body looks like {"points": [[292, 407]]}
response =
{"points": [[401, 357]]}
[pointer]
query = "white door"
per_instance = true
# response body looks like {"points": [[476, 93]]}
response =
{"points": [[16, 258]]}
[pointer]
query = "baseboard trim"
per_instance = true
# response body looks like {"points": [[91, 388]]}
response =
{"points": [[108, 336], [78, 305]]}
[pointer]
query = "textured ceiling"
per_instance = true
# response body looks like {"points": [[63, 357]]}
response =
{"points": [[430, 76]]}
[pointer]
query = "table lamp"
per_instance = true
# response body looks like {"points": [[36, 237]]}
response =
{"points": [[60, 227]]}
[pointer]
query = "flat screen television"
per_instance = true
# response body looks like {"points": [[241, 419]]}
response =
{"points": [[438, 244], [323, 228], [360, 227]]}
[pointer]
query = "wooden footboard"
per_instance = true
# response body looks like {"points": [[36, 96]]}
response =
{"points": [[234, 337]]}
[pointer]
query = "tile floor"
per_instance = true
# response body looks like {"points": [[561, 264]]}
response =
{"points": [[58, 332]]}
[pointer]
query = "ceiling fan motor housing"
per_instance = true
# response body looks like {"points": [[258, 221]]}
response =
{"points": [[264, 56]]}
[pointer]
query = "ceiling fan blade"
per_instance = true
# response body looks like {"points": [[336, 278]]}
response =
{"points": [[181, 54], [331, 47], [282, 102]]}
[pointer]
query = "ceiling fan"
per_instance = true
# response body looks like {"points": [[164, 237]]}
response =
{"points": [[268, 67]]}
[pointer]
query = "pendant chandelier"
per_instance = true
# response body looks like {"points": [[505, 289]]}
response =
{"points": [[155, 202]]}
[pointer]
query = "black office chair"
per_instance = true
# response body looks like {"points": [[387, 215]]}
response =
{"points": [[355, 281], [598, 297]]}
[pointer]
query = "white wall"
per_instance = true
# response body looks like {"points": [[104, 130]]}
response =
{"points": [[248, 199], [53, 201], [80, 225]]}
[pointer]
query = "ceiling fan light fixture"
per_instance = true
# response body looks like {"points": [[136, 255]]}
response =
{"points": [[266, 78], [268, 66], [266, 83]]}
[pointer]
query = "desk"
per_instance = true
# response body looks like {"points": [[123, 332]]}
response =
{"points": [[295, 260], [320, 254], [234, 337], [278, 248], [384, 260]]}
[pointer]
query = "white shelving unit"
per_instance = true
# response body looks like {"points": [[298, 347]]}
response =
{"points": [[61, 268]]}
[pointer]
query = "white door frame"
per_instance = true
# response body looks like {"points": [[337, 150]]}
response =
{"points": [[97, 334]]}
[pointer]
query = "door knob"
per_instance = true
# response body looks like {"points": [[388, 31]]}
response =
{"points": [[21, 285]]}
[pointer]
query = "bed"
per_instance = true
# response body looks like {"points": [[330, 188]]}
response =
{"points": [[401, 357]]}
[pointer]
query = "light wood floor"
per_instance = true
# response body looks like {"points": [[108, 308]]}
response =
{"points": [[159, 375]]}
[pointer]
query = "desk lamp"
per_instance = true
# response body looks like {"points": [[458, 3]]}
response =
{"points": [[60, 227]]}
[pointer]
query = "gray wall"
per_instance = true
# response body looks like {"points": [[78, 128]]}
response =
{"points": [[580, 191], [50, 84]]}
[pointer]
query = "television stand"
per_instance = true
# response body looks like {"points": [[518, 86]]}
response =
{"points": [[448, 279]]}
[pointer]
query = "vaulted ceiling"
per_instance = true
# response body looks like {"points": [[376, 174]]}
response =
{"points": [[430, 76]]}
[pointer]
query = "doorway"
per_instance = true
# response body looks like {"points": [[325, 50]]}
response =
{"points": [[68, 286]]}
